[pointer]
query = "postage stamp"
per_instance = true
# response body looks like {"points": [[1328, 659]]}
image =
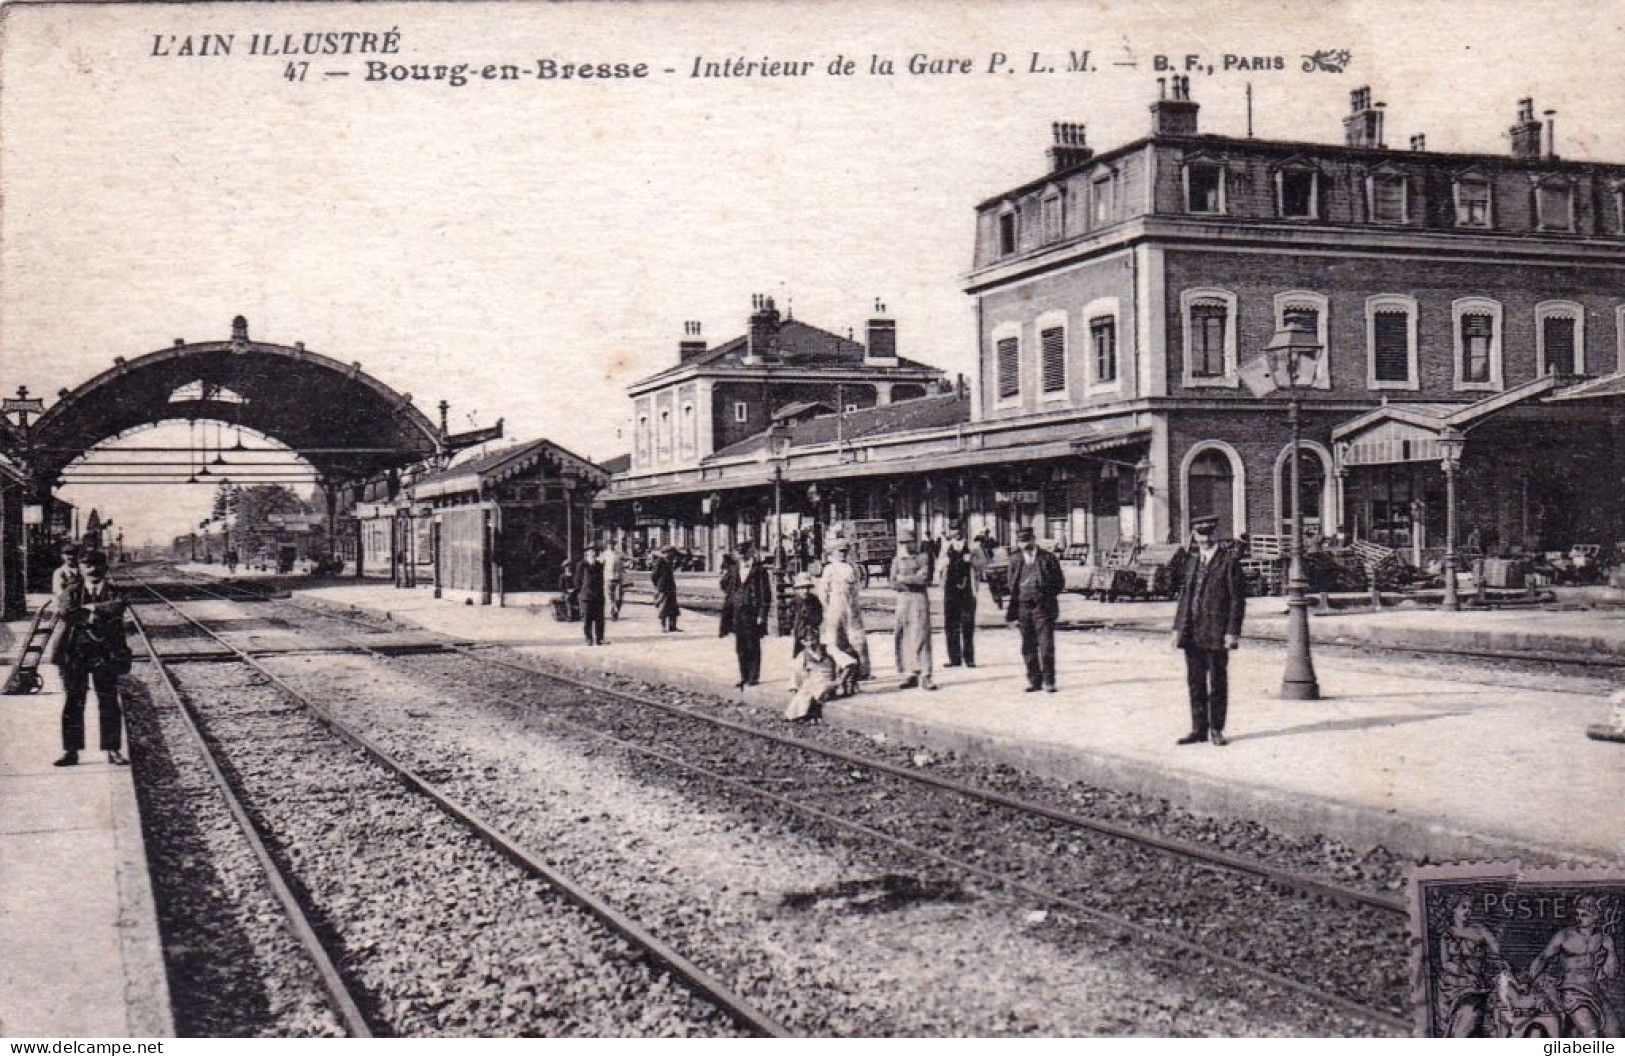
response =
{"points": [[1503, 951]]}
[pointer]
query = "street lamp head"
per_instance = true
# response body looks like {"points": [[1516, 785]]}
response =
{"points": [[1294, 355], [1451, 445]]}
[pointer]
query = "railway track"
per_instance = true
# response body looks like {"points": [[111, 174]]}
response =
{"points": [[315, 931], [1385, 909]]}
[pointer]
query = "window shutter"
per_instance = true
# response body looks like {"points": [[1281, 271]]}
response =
{"points": [[1009, 369], [1559, 338], [1054, 366], [1392, 340]]}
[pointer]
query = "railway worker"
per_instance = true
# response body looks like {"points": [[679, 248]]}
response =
{"points": [[747, 602], [839, 586], [962, 569], [94, 651], [911, 639], [66, 574], [663, 577], [614, 579], [1207, 626], [1035, 583], [590, 588]]}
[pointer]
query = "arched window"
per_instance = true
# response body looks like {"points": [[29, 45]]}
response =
{"points": [[1478, 343], [1212, 488], [1314, 490], [1560, 344]]}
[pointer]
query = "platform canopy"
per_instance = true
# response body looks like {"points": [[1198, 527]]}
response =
{"points": [[345, 423]]}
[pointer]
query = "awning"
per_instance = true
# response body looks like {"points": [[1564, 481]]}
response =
{"points": [[1410, 432], [1607, 387], [1107, 439]]}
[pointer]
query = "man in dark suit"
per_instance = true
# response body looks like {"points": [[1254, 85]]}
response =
{"points": [[94, 651], [590, 584], [962, 571], [1035, 586], [1207, 625], [747, 602]]}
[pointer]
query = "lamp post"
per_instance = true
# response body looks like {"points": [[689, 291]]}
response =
{"points": [[1290, 362], [1451, 443]]}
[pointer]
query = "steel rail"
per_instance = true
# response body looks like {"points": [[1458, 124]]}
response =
{"points": [[656, 949], [1111, 920], [1309, 885], [344, 1002]]}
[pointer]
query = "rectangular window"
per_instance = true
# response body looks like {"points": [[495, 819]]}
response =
{"points": [[1054, 218], [1388, 199], [1297, 195], [1053, 368], [741, 412], [1202, 193], [1208, 323], [1477, 335], [1472, 204], [1391, 341], [1555, 207], [1007, 233], [1557, 331], [1009, 368], [1104, 204], [1103, 336]]}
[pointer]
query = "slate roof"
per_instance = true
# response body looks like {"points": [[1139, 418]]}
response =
{"points": [[940, 411], [503, 463], [798, 345]]}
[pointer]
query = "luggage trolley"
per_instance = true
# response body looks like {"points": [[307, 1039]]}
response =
{"points": [[25, 677]]}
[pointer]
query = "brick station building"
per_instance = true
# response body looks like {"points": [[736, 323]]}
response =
{"points": [[1119, 294]]}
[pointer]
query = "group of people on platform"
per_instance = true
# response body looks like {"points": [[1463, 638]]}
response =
{"points": [[90, 648], [830, 645]]}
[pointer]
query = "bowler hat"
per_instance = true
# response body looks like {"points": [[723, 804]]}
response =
{"points": [[1205, 524], [1025, 535], [803, 580]]}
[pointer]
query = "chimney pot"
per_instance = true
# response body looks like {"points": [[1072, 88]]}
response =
{"points": [[1175, 114], [1526, 133]]}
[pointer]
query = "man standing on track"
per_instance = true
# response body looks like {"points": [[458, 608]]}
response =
{"points": [[1035, 588], [1207, 626], [748, 600]]}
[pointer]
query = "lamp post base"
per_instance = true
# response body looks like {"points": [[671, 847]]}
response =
{"points": [[1298, 681], [1452, 597]]}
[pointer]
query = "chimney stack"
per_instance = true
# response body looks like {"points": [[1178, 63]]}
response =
{"points": [[1551, 134], [882, 347], [1173, 114], [1363, 126], [1419, 143], [763, 338], [1526, 133], [1070, 146], [692, 343]]}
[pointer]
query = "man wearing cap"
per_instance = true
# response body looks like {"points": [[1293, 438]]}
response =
{"points": [[590, 583], [1207, 625], [747, 601], [839, 586], [962, 570], [910, 573], [94, 653], [663, 578], [1035, 589]]}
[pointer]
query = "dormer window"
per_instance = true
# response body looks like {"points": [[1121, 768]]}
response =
{"points": [[1554, 205], [1296, 193], [1054, 215], [1104, 191], [1390, 198], [1204, 188], [1473, 203], [1009, 230]]}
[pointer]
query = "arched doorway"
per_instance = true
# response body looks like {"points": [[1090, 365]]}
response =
{"points": [[1316, 501], [1213, 486]]}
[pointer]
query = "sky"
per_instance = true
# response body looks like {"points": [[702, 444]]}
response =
{"points": [[526, 249]]}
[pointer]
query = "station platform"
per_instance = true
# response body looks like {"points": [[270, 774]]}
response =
{"points": [[1432, 765], [79, 949]]}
